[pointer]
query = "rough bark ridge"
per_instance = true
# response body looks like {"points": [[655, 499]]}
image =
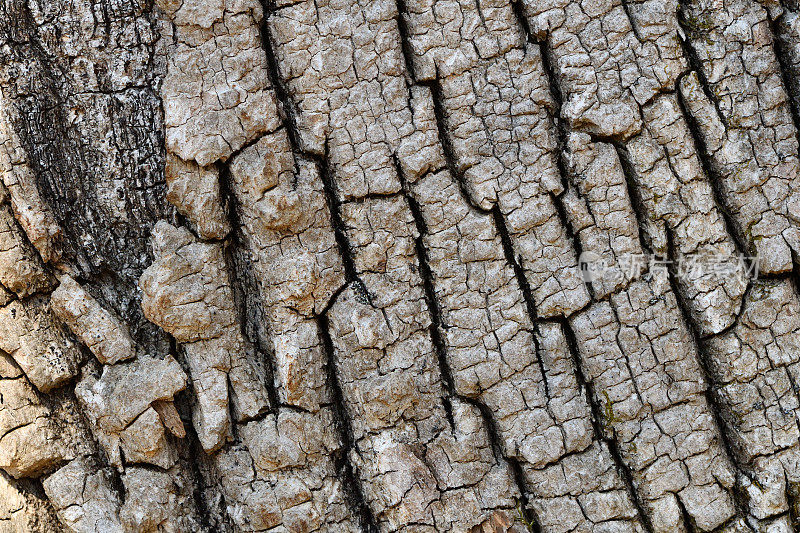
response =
{"points": [[383, 265]]}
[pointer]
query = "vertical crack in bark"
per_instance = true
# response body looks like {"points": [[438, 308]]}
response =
{"points": [[793, 498], [781, 55], [450, 157], [738, 493], [715, 182], [339, 228], [637, 204], [440, 346], [203, 512], [405, 41], [344, 467], [596, 416], [245, 287], [561, 143], [634, 27], [525, 288], [346, 470], [286, 106], [695, 64], [710, 173]]}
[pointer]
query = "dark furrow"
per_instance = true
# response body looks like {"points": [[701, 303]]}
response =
{"points": [[738, 493], [339, 228], [786, 73], [695, 64], [194, 457], [345, 469], [793, 498], [637, 204], [627, 8], [712, 176], [596, 416], [450, 157], [246, 288], [286, 105], [344, 466], [440, 347], [405, 42], [524, 286], [715, 181], [561, 143], [522, 20]]}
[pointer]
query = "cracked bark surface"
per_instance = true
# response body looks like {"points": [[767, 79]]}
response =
{"points": [[399, 265]]}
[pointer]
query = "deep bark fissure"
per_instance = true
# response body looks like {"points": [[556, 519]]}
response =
{"points": [[695, 63], [596, 412], [712, 176], [200, 477], [781, 56], [440, 347], [634, 196], [242, 277], [344, 467], [703, 359], [525, 288]]}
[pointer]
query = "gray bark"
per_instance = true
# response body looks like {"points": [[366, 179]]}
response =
{"points": [[378, 265]]}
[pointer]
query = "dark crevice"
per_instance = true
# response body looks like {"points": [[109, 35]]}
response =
{"points": [[637, 203], [192, 461], [246, 289], [552, 81], [344, 468], [321, 160], [447, 147], [286, 105], [435, 87], [793, 498], [596, 413], [525, 287], [715, 182], [560, 130], [440, 346], [405, 41], [190, 451], [690, 53], [437, 324], [339, 228], [522, 20], [703, 359], [634, 26], [791, 89], [713, 177], [688, 521]]}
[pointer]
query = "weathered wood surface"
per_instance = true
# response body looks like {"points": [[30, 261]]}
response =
{"points": [[412, 265]]}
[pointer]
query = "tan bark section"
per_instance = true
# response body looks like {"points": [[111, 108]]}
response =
{"points": [[399, 265]]}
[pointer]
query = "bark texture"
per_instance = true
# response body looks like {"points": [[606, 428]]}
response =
{"points": [[476, 266]]}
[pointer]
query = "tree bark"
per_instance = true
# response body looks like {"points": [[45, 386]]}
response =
{"points": [[383, 265]]}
